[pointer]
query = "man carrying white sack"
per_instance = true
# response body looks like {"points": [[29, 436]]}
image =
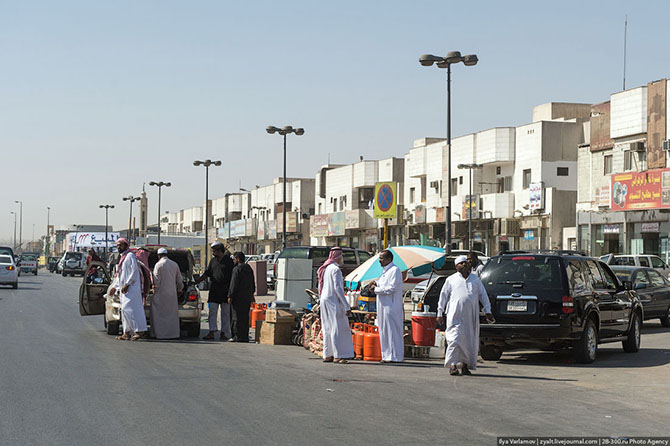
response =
{"points": [[459, 300]]}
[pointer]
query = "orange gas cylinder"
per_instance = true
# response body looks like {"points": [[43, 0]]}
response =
{"points": [[359, 337], [258, 314], [372, 350], [251, 310]]}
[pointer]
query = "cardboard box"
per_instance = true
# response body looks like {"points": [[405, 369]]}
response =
{"points": [[280, 316], [276, 333], [366, 303]]}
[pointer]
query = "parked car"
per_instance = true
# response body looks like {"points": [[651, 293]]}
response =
{"points": [[652, 288], [9, 273], [52, 263], [59, 265], [557, 300], [270, 259], [6, 250], [642, 260], [28, 264], [251, 258], [94, 299], [74, 263], [352, 257]]}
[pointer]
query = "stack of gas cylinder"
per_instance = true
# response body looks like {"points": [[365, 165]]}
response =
{"points": [[366, 342]]}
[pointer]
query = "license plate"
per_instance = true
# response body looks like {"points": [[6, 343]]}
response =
{"points": [[517, 305]]}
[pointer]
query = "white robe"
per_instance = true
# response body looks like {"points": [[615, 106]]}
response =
{"points": [[459, 300], [132, 310], [164, 302], [391, 314], [334, 322]]}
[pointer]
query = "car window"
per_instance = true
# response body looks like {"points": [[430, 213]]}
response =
{"points": [[320, 254], [656, 278], [624, 260], [295, 253], [5, 259], [349, 257], [657, 263], [576, 277], [525, 270], [364, 256], [641, 277], [28, 258], [623, 275], [610, 279], [644, 261], [594, 276]]}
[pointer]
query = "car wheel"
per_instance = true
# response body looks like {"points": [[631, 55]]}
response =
{"points": [[586, 348], [632, 344], [490, 353], [15, 285], [193, 330], [35, 272], [665, 320], [64, 274]]}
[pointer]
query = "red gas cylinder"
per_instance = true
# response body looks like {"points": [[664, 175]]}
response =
{"points": [[358, 339], [423, 328], [251, 310], [372, 350], [258, 314]]}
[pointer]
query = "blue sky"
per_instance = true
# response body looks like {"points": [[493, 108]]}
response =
{"points": [[98, 97]]}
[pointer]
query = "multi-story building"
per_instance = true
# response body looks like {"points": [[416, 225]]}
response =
{"points": [[344, 197], [624, 186]]}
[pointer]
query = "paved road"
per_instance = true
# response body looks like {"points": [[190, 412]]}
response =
{"points": [[64, 381]]}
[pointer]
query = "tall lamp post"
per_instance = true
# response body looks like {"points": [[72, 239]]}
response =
{"points": [[284, 131], [20, 223], [470, 167], [131, 200], [160, 185], [206, 164], [14, 247], [453, 57], [106, 207], [47, 239]]}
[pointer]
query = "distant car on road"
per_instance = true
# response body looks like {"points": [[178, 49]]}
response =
{"points": [[9, 274], [28, 263], [52, 263], [74, 263], [9, 251], [641, 260], [653, 289]]}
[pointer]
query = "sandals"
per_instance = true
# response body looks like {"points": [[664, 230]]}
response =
{"points": [[135, 337], [465, 371], [123, 337], [453, 371], [328, 359], [342, 361]]}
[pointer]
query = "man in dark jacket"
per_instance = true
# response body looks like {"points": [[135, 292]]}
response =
{"points": [[219, 270], [241, 295]]}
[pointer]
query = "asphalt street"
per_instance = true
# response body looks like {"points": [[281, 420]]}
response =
{"points": [[64, 381]]}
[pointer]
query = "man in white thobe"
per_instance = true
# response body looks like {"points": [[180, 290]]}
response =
{"points": [[460, 297], [128, 281], [168, 284], [476, 265], [390, 309], [337, 343]]}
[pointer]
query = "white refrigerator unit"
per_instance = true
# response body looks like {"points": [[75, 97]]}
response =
{"points": [[294, 276]]}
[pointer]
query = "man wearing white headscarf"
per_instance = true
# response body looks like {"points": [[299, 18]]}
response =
{"points": [[168, 284], [128, 281], [460, 297], [390, 309]]}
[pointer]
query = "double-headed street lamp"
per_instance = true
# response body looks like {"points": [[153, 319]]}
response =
{"points": [[20, 203], [453, 57], [284, 131], [130, 199], [159, 185], [106, 207], [206, 164], [470, 167]]}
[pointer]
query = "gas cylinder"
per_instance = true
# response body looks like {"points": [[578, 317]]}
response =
{"points": [[359, 338], [258, 314], [251, 310], [372, 350]]}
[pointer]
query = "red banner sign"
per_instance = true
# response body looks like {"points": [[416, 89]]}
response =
{"points": [[641, 190]]}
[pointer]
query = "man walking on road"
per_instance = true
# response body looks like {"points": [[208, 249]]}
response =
{"points": [[128, 280], [241, 295], [390, 309], [219, 270], [459, 300], [168, 284]]}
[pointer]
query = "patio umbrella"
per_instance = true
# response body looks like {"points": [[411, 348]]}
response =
{"points": [[417, 258]]}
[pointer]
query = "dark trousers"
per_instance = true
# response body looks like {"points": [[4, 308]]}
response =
{"points": [[242, 322]]}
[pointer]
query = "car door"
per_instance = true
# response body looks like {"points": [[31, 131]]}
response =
{"points": [[642, 286], [622, 304], [660, 266], [602, 298], [659, 294], [93, 289]]}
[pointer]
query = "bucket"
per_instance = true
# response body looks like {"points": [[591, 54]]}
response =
{"points": [[372, 350], [423, 328]]}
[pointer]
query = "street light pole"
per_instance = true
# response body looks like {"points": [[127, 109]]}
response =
{"points": [[20, 223], [106, 207], [160, 185], [47, 239], [14, 213], [445, 62], [130, 199], [470, 167], [206, 164], [284, 131]]}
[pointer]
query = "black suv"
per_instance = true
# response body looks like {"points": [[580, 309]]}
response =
{"points": [[557, 299]]}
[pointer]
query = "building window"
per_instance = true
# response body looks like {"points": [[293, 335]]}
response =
{"points": [[412, 191], [498, 170], [454, 186], [526, 178], [607, 163], [423, 189], [562, 171], [628, 160], [460, 180]]}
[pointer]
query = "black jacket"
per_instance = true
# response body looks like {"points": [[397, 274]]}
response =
{"points": [[242, 285], [219, 271]]}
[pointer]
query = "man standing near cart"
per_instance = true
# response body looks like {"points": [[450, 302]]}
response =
{"points": [[128, 281], [219, 270], [241, 295], [390, 309], [460, 297]]}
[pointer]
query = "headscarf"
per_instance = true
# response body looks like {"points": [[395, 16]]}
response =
{"points": [[333, 257]]}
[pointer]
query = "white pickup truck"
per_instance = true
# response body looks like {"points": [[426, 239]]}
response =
{"points": [[28, 264]]}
